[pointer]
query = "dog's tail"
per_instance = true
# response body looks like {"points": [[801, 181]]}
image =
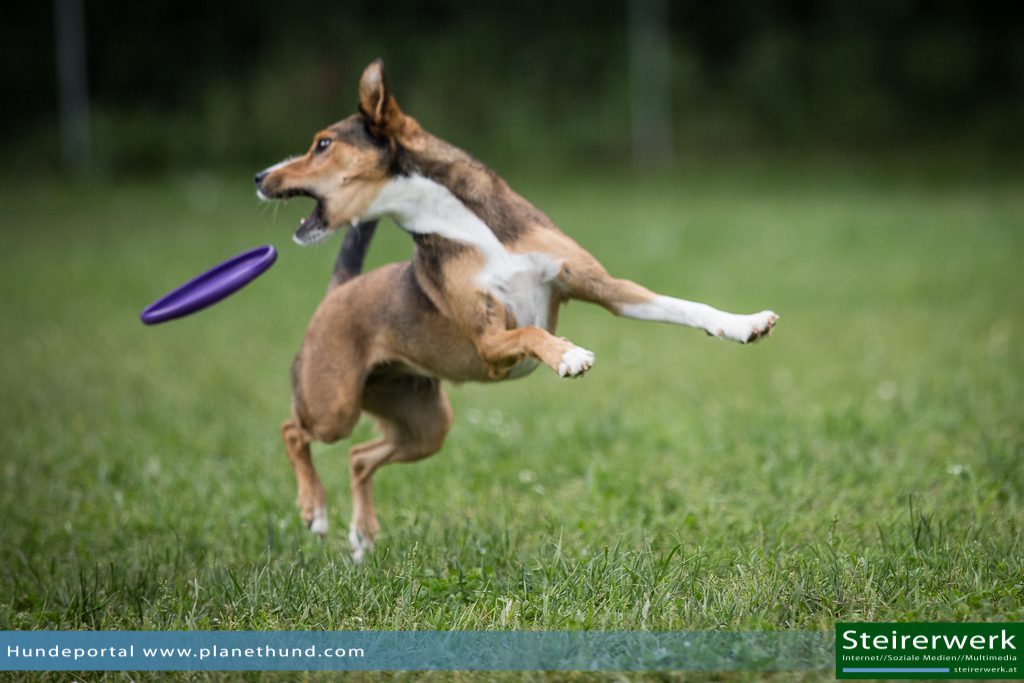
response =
{"points": [[353, 250]]}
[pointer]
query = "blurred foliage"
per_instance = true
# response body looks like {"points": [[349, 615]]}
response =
{"points": [[190, 83]]}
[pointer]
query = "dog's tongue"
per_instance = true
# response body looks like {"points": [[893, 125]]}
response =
{"points": [[311, 231]]}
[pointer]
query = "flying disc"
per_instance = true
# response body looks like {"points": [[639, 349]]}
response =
{"points": [[215, 284]]}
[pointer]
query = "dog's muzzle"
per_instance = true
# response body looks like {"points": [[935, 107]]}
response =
{"points": [[313, 228]]}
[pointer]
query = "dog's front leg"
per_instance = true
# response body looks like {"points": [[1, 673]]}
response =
{"points": [[485, 321], [587, 280], [501, 349]]}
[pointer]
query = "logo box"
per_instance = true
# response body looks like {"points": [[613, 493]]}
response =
{"points": [[930, 650]]}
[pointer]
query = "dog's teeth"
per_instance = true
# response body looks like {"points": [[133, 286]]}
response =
{"points": [[302, 221]]}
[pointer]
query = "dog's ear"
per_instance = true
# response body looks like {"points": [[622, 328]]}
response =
{"points": [[376, 103]]}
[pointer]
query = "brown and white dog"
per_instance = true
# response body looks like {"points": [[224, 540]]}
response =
{"points": [[478, 301]]}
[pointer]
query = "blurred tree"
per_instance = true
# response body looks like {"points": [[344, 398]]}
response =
{"points": [[72, 84], [650, 81], [184, 82]]}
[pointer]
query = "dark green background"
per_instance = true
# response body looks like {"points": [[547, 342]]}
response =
{"points": [[198, 83]]}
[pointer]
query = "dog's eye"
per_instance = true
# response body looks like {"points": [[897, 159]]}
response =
{"points": [[322, 144]]}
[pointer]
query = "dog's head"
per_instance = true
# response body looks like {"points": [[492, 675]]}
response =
{"points": [[347, 164]]}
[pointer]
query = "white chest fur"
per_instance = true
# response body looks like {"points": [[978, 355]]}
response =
{"points": [[522, 282]]}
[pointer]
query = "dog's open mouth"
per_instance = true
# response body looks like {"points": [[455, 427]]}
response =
{"points": [[313, 228]]}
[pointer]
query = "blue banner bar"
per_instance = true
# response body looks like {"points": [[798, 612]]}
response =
{"points": [[414, 650]]}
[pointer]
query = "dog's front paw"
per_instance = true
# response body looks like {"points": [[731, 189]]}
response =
{"points": [[748, 328], [762, 325], [575, 362]]}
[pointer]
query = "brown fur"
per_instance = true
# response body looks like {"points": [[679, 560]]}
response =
{"points": [[381, 343]]}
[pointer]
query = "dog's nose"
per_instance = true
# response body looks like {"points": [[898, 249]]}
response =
{"points": [[258, 178]]}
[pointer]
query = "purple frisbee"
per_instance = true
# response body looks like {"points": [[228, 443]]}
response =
{"points": [[210, 287]]}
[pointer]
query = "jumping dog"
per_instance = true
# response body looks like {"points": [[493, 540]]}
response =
{"points": [[478, 301]]}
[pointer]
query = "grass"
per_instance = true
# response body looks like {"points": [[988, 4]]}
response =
{"points": [[862, 464]]}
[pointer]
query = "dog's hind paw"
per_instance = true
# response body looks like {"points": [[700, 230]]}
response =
{"points": [[314, 514], [360, 543], [575, 362], [318, 524]]}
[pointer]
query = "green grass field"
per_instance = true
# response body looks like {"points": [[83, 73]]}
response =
{"points": [[864, 463]]}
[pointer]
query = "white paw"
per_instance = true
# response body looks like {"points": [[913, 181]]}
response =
{"points": [[575, 362], [747, 328], [360, 544], [318, 525]]}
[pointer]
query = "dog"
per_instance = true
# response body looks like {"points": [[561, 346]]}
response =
{"points": [[477, 302]]}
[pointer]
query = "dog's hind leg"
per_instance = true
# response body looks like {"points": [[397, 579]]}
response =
{"points": [[325, 407], [363, 461], [311, 498], [414, 417]]}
